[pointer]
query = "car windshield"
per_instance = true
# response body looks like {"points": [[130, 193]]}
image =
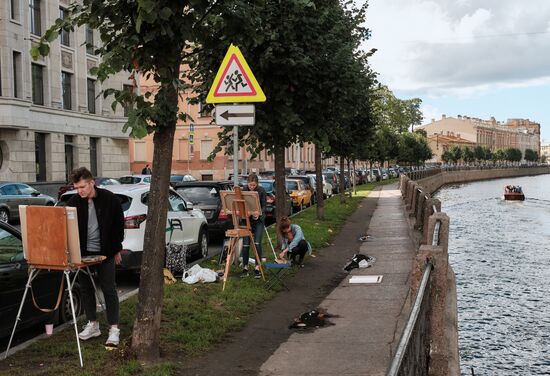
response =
{"points": [[291, 185], [200, 195]]}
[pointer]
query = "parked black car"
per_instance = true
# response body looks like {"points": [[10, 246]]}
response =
{"points": [[271, 200], [13, 278], [205, 195]]}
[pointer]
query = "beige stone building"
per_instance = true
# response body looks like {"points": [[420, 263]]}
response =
{"points": [[514, 133], [440, 143], [51, 118], [545, 150]]}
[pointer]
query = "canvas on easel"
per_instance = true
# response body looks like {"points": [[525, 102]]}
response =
{"points": [[252, 201]]}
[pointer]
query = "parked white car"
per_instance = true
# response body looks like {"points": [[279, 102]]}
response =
{"points": [[327, 187], [189, 225]]}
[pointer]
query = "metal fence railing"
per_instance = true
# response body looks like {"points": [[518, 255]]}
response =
{"points": [[413, 352]]}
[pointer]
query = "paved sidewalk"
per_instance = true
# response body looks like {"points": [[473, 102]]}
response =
{"points": [[370, 317]]}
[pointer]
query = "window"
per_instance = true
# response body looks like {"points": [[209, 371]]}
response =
{"points": [[175, 202], [66, 80], [24, 189], [206, 148], [91, 96], [69, 156], [93, 156], [40, 156], [140, 151], [11, 248], [183, 150], [14, 9], [65, 35], [203, 112], [37, 84], [17, 74], [127, 106], [89, 40], [34, 14], [9, 190]]}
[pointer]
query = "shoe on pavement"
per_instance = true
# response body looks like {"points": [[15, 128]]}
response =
{"points": [[114, 338], [257, 274], [244, 273], [91, 330]]}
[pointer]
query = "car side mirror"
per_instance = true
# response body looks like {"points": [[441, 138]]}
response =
{"points": [[35, 194], [189, 205]]}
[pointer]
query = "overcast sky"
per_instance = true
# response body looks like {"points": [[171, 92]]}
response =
{"points": [[475, 58]]}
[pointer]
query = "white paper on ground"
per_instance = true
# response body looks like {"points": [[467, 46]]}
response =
{"points": [[365, 279]]}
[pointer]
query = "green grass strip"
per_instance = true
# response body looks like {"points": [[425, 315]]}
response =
{"points": [[194, 317]]}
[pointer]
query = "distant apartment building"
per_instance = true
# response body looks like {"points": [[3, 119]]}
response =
{"points": [[545, 150], [195, 140], [464, 130], [52, 118]]}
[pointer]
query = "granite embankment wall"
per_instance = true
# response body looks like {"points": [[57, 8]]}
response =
{"points": [[430, 229]]}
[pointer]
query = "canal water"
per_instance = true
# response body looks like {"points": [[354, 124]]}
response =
{"points": [[500, 252]]}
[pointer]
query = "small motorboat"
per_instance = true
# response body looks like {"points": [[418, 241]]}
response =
{"points": [[513, 192]]}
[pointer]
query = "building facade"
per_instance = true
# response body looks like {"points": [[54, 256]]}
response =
{"points": [[195, 140], [521, 134], [52, 118]]}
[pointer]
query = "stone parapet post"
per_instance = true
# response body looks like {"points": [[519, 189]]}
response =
{"points": [[411, 188], [428, 212], [419, 212], [403, 179]]}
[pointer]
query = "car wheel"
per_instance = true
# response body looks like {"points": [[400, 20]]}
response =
{"points": [[49, 203], [4, 215], [203, 243], [65, 312]]}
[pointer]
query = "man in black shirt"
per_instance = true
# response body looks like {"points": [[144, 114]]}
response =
{"points": [[101, 231]]}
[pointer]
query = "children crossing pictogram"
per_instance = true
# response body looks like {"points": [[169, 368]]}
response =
{"points": [[235, 82]]}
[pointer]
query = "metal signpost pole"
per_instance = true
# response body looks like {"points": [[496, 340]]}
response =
{"points": [[236, 155]]}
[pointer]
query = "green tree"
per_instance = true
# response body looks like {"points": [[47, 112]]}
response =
{"points": [[499, 155], [446, 156], [531, 155], [512, 154], [413, 148], [305, 56], [155, 38], [467, 154], [397, 114], [455, 153], [479, 153]]}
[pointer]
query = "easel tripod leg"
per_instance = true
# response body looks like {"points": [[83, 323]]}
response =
{"points": [[229, 259], [258, 261], [70, 287], [32, 275]]}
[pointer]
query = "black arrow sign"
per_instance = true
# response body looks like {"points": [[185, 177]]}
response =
{"points": [[226, 115]]}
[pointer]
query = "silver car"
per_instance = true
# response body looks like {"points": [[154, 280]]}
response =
{"points": [[14, 194]]}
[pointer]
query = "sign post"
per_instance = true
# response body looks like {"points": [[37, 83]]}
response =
{"points": [[235, 83]]}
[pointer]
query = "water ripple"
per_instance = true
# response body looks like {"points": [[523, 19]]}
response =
{"points": [[501, 255]]}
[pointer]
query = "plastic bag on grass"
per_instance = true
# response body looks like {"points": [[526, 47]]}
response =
{"points": [[198, 274]]}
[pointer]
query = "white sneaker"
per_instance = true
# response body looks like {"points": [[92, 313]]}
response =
{"points": [[114, 338], [91, 330]]}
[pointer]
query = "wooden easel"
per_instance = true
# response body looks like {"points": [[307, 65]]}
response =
{"points": [[239, 230], [60, 252]]}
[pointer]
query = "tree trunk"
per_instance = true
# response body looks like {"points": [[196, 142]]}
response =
{"points": [[280, 184], [319, 189], [354, 174], [342, 182], [351, 179], [146, 332]]}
